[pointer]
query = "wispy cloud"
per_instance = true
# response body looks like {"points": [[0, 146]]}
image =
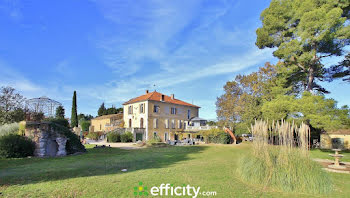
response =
{"points": [[181, 41], [11, 8]]}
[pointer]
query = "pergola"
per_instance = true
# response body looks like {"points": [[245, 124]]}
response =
{"points": [[42, 104]]}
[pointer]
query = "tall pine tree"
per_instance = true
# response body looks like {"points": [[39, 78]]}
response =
{"points": [[74, 117]]}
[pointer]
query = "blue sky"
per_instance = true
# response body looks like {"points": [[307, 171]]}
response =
{"points": [[112, 50]]}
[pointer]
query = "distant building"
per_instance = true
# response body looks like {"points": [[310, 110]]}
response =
{"points": [[155, 114], [106, 123], [336, 139]]}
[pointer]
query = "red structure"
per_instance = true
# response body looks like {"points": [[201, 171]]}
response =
{"points": [[233, 137]]}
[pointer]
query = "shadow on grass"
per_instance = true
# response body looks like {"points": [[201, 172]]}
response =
{"points": [[95, 162]]}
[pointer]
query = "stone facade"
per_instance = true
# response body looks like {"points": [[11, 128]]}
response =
{"points": [[336, 139], [48, 141], [156, 114]]}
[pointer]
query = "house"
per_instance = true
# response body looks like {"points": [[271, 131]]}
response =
{"points": [[336, 139], [106, 123], [157, 115]]}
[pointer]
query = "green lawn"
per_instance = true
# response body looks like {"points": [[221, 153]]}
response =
{"points": [[98, 173], [324, 154]]}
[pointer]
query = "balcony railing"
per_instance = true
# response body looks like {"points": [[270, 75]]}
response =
{"points": [[199, 128]]}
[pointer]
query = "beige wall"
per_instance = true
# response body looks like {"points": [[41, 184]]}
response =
{"points": [[163, 114], [326, 140], [136, 115], [95, 124]]}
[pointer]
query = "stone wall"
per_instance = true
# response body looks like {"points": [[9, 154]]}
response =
{"points": [[48, 141]]}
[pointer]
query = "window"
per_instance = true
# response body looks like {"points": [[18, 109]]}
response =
{"points": [[142, 108], [173, 110], [130, 123], [100, 127], [173, 124], [156, 109], [188, 114], [165, 137], [155, 134], [155, 123], [179, 124], [130, 109], [167, 123], [141, 123]]}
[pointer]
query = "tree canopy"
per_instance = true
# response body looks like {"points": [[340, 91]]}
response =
{"points": [[303, 33], [11, 106], [60, 112]]}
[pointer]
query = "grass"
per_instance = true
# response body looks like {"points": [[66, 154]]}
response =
{"points": [[324, 154], [98, 173]]}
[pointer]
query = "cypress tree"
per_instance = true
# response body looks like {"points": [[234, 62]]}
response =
{"points": [[74, 117]]}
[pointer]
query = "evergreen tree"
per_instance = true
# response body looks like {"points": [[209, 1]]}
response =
{"points": [[74, 117], [60, 112], [304, 32], [102, 110]]}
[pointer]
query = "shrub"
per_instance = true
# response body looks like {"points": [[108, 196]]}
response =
{"points": [[59, 121], [294, 172], [93, 135], [153, 141], [85, 124], [9, 129], [220, 138], [126, 137], [16, 146], [73, 144], [113, 137], [285, 165]]}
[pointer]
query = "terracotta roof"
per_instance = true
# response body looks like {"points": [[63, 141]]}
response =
{"points": [[156, 96], [118, 116], [339, 132]]}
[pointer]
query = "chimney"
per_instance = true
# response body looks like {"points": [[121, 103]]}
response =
{"points": [[162, 99], [147, 91], [172, 96]]}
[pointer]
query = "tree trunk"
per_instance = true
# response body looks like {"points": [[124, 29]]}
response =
{"points": [[310, 81]]}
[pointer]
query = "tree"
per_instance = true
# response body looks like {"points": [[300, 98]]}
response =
{"points": [[102, 110], [82, 116], [11, 106], [303, 33], [74, 117], [60, 112], [84, 124], [241, 103], [342, 70], [314, 110]]}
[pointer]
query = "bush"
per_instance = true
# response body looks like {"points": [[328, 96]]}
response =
{"points": [[59, 121], [16, 146], [93, 136], [9, 129], [85, 124], [73, 144], [220, 138], [126, 137], [292, 173], [153, 141], [113, 137]]}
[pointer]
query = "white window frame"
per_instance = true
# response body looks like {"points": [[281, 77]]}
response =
{"points": [[173, 125], [167, 123], [155, 123]]}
